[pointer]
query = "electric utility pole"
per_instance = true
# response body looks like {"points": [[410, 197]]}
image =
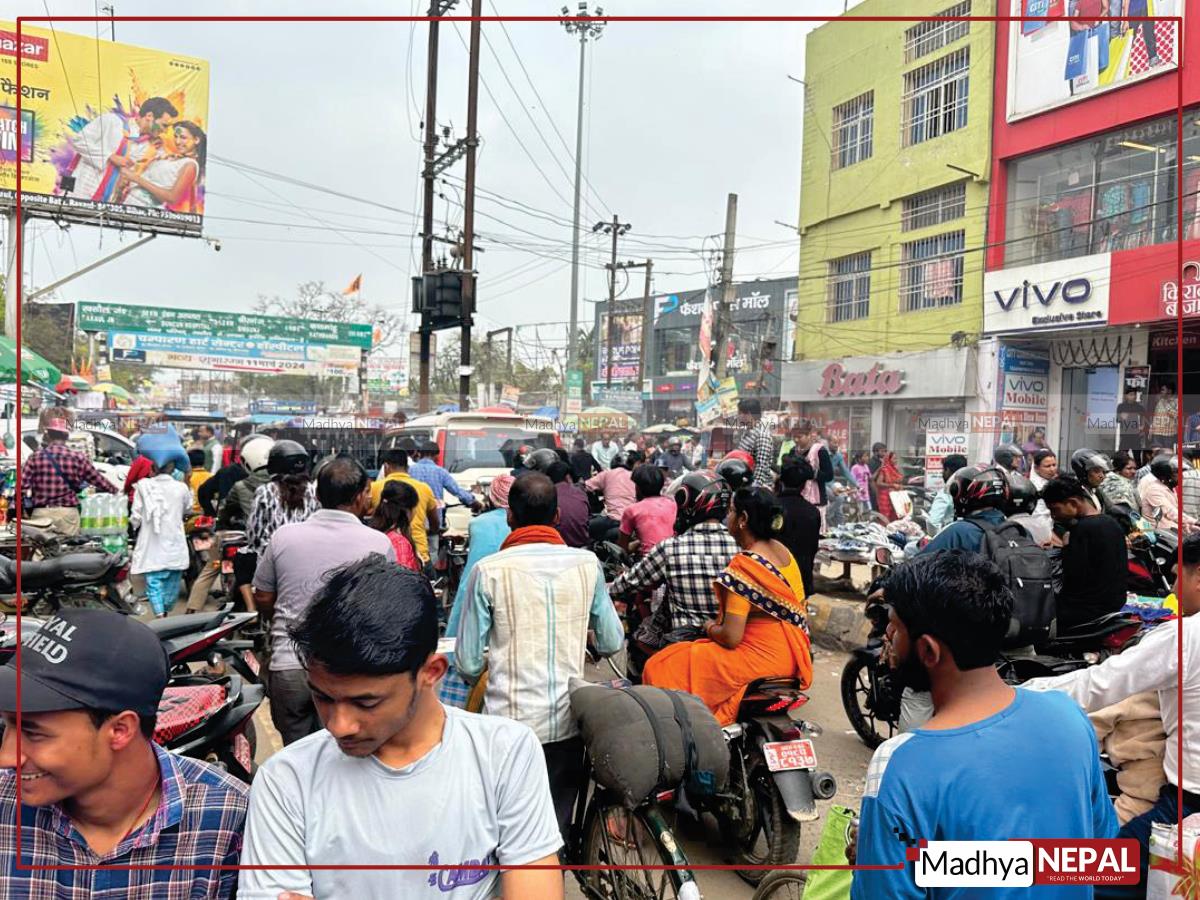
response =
{"points": [[468, 250], [616, 228], [721, 329], [587, 27]]}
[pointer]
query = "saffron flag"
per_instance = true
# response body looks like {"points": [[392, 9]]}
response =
{"points": [[355, 285]]}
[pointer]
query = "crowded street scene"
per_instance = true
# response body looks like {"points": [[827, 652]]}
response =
{"points": [[754, 456]]}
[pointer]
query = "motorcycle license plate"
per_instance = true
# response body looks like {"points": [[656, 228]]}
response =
{"points": [[200, 544], [227, 567], [783, 756], [241, 751], [251, 660]]}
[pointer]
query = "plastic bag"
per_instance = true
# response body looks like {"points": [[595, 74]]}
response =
{"points": [[1076, 55], [831, 884], [1164, 883]]}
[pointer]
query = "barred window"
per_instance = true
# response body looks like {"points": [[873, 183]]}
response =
{"points": [[849, 287], [926, 37], [934, 207], [853, 123], [935, 98], [931, 272]]}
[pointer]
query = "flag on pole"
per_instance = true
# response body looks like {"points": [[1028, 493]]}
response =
{"points": [[355, 285]]}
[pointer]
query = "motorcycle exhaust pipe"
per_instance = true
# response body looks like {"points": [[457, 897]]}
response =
{"points": [[824, 785]]}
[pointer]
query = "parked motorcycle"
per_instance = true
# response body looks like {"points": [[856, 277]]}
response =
{"points": [[774, 781], [1152, 553], [75, 579], [212, 638], [210, 718], [230, 543]]}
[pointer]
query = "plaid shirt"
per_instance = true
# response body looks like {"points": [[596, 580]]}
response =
{"points": [[48, 489], [759, 441], [687, 565], [198, 823], [1191, 492]]}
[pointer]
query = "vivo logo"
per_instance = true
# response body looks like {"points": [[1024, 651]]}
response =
{"points": [[1073, 290], [1026, 384]]}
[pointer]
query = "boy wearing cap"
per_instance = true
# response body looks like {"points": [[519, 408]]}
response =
{"points": [[54, 476], [94, 789]]}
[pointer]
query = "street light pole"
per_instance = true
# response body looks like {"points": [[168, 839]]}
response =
{"points": [[586, 26]]}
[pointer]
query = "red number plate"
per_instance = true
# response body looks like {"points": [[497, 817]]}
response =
{"points": [[783, 756], [200, 544], [241, 751], [251, 660], [227, 567]]}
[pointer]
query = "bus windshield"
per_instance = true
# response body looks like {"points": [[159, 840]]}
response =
{"points": [[489, 446]]}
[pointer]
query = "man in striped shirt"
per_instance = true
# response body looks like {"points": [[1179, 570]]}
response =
{"points": [[533, 602], [759, 440]]}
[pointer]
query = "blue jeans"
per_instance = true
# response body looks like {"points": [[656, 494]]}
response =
{"points": [[162, 589], [1166, 811]]}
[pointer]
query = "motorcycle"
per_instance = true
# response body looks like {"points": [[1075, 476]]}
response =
{"points": [[1152, 553], [75, 579], [230, 543], [774, 781], [209, 637]]}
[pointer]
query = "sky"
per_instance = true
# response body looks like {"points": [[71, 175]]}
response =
{"points": [[677, 115]]}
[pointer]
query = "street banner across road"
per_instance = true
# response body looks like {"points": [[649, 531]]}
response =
{"points": [[84, 155]]}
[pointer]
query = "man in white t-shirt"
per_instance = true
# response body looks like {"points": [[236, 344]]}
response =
{"points": [[395, 778]]}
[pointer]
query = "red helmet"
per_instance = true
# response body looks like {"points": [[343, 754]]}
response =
{"points": [[743, 455], [973, 489]]}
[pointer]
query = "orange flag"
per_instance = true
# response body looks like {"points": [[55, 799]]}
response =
{"points": [[355, 285]]}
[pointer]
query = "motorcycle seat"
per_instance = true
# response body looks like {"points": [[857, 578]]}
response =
{"points": [[1106, 624], [73, 568], [175, 626], [771, 689], [183, 707]]}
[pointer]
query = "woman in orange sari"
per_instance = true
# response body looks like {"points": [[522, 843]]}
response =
{"points": [[761, 631]]}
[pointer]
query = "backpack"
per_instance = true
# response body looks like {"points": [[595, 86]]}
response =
{"points": [[1027, 569]]}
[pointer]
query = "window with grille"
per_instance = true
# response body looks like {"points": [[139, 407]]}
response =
{"points": [[849, 287], [934, 207], [926, 37], [935, 98], [931, 272], [853, 122]]}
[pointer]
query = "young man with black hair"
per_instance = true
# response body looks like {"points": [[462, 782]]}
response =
{"points": [[1152, 664], [533, 604], [109, 144], [426, 520], [573, 510], [395, 776], [758, 440], [994, 762], [1094, 554], [801, 520], [95, 790], [289, 574], [582, 463]]}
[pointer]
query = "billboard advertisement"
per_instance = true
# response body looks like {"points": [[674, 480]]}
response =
{"points": [[109, 132], [626, 345], [1053, 63], [387, 374]]}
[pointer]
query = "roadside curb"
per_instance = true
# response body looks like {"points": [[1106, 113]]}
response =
{"points": [[837, 623]]}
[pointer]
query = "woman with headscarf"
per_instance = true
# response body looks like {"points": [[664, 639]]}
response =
{"points": [[887, 478]]}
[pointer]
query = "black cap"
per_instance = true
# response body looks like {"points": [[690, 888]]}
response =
{"points": [[87, 659]]}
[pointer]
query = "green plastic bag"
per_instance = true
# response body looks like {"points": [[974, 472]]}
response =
{"points": [[828, 884]]}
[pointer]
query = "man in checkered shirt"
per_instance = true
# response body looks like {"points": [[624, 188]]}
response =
{"points": [[758, 440], [54, 476], [95, 790], [687, 564]]}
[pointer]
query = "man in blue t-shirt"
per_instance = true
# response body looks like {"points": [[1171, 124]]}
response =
{"points": [[994, 762]]}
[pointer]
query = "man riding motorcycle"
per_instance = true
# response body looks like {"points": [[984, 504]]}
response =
{"points": [[985, 495], [1090, 467], [1009, 457]]}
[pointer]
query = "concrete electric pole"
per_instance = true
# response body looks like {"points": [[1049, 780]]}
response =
{"points": [[616, 228], [725, 303]]}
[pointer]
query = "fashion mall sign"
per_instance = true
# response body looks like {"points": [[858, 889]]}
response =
{"points": [[875, 382]]}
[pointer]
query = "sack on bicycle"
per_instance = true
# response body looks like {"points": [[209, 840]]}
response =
{"points": [[643, 740]]}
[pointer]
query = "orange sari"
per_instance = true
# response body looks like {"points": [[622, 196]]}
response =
{"points": [[774, 645]]}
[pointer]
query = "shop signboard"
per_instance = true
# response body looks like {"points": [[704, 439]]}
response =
{"points": [[65, 145], [708, 411], [1066, 293], [236, 354], [1137, 380], [626, 399], [1024, 391], [839, 431], [510, 395], [387, 374], [626, 334], [727, 396], [939, 445], [1052, 64], [284, 407], [931, 374], [574, 402], [1149, 286]]}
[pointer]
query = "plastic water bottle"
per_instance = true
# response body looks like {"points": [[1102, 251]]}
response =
{"points": [[108, 514], [87, 514]]}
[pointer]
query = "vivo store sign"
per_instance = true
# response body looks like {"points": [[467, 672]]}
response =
{"points": [[1069, 293]]}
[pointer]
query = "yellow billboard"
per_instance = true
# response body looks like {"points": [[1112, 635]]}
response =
{"points": [[109, 133]]}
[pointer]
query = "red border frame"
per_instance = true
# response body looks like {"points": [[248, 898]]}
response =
{"points": [[1178, 74]]}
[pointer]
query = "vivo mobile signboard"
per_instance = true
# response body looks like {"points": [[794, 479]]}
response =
{"points": [[1068, 293], [1054, 63]]}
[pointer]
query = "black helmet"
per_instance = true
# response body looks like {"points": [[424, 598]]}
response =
{"points": [[699, 497], [1009, 456], [735, 473], [541, 460], [1085, 460], [973, 490], [1165, 468], [620, 461], [287, 458], [1024, 495]]}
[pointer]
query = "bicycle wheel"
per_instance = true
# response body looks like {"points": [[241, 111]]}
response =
{"points": [[781, 886], [616, 836]]}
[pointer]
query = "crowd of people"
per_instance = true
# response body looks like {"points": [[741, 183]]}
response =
{"points": [[382, 762]]}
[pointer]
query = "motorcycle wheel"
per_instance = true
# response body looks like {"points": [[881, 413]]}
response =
{"points": [[763, 834], [856, 697]]}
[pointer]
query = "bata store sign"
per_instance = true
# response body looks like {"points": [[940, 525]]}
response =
{"points": [[876, 381], [1148, 284], [1067, 293], [938, 373]]}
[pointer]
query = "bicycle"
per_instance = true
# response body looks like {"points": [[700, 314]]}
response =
{"points": [[782, 885]]}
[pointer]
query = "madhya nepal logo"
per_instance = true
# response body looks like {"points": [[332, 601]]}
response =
{"points": [[1024, 863]]}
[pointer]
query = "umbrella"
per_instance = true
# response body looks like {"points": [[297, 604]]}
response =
{"points": [[664, 428], [34, 368], [113, 390], [72, 383]]}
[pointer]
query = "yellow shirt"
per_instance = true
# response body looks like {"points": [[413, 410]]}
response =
{"points": [[417, 528], [197, 478]]}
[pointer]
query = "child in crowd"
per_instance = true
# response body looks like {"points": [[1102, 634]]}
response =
{"points": [[862, 474]]}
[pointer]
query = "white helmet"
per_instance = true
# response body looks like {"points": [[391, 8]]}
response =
{"points": [[256, 450]]}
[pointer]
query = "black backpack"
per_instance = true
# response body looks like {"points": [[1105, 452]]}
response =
{"points": [[1029, 573]]}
